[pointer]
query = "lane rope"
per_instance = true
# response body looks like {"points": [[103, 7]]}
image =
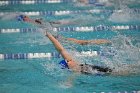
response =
{"points": [[90, 53], [45, 1], [68, 12], [120, 92], [42, 55], [13, 2], [77, 29], [33, 2]]}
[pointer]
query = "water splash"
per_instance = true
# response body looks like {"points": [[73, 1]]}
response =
{"points": [[65, 85], [78, 20], [85, 19], [9, 16], [126, 60], [124, 14], [117, 3]]}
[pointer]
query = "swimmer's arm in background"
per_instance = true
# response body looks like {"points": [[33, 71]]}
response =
{"points": [[85, 42]]}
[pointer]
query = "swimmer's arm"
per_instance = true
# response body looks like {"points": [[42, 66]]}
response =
{"points": [[59, 47], [85, 42], [99, 41]]}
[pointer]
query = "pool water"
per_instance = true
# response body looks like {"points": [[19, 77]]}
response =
{"points": [[43, 75]]}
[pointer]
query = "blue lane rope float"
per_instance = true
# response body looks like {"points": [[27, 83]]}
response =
{"points": [[68, 12], [77, 29]]}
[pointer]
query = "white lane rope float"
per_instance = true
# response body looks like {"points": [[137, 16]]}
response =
{"points": [[27, 55], [68, 12], [119, 92], [13, 2], [42, 55], [5, 2], [90, 53], [77, 29]]}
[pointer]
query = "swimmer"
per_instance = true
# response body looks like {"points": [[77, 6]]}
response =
{"points": [[40, 22], [72, 64], [27, 19]]}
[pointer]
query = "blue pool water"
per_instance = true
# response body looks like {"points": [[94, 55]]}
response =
{"points": [[43, 75]]}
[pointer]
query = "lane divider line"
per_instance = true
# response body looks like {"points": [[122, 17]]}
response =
{"points": [[68, 12], [77, 29], [41, 55]]}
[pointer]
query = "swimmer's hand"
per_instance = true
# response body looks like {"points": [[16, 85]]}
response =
{"points": [[46, 33]]}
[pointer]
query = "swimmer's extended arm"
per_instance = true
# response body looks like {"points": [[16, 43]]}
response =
{"points": [[59, 47], [85, 42]]}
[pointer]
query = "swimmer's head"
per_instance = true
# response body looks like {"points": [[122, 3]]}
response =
{"points": [[64, 64]]}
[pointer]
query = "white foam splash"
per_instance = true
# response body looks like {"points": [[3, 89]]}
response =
{"points": [[78, 20], [65, 85], [9, 16], [126, 60], [123, 14], [118, 3], [85, 19]]}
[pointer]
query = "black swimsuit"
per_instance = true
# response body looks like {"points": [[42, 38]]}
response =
{"points": [[38, 21], [89, 69]]}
